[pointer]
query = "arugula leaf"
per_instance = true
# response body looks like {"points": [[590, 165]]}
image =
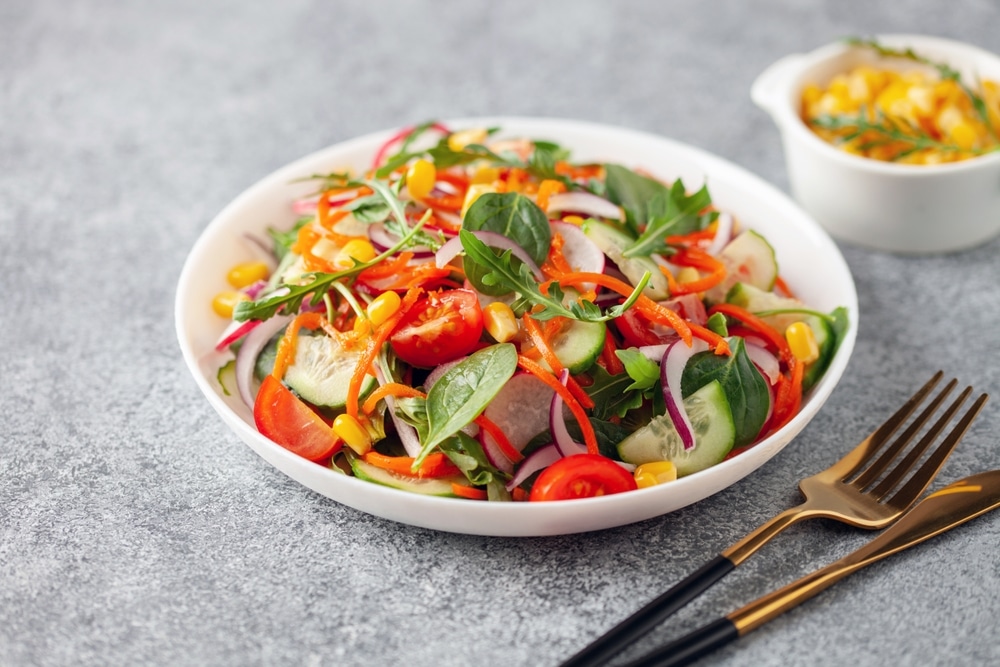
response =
{"points": [[746, 389], [611, 395], [463, 393], [514, 276], [645, 373], [468, 455], [290, 297], [632, 192], [283, 240], [370, 209], [670, 212]]}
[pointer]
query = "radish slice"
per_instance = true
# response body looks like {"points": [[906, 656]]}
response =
{"points": [[581, 253], [453, 247], [538, 459], [557, 423], [521, 410], [723, 234], [584, 202], [234, 332], [246, 358], [671, 370], [407, 434], [654, 352], [764, 360]]}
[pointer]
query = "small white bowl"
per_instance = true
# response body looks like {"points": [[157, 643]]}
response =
{"points": [[908, 209]]}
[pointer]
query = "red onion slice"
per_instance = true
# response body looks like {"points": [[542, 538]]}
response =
{"points": [[537, 460], [383, 239], [586, 203], [453, 247], [407, 434], [671, 370], [557, 423], [246, 358]]}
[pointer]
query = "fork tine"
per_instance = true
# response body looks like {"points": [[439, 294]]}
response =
{"points": [[868, 477], [878, 438], [904, 466], [921, 479]]}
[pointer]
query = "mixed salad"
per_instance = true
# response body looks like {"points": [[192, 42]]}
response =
{"points": [[483, 318]]}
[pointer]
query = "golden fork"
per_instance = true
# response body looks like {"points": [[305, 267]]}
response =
{"points": [[870, 487]]}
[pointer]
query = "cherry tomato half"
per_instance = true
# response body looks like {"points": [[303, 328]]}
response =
{"points": [[282, 417], [439, 328], [581, 476]]}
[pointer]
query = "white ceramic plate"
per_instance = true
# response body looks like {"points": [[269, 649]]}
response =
{"points": [[809, 262]]}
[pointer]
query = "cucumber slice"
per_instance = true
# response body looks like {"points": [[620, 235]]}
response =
{"points": [[826, 340], [437, 486], [757, 301], [714, 434], [612, 243], [322, 371], [578, 344], [749, 258]]}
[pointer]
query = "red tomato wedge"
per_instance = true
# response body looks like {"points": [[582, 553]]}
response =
{"points": [[439, 328], [581, 476], [285, 419]]}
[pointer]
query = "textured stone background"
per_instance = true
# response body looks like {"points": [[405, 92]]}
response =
{"points": [[136, 529]]}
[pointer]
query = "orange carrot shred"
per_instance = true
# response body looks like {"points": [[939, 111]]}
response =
{"points": [[503, 442], [390, 389], [589, 437]]}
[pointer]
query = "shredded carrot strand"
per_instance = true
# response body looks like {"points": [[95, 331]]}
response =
{"points": [[287, 344], [788, 396], [387, 268], [469, 492], [542, 343], [375, 343], [759, 326], [555, 264], [436, 464], [503, 442], [546, 189], [612, 363], [589, 437], [395, 389], [698, 259]]}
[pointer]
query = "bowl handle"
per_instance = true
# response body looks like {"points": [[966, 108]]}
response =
{"points": [[763, 92]]}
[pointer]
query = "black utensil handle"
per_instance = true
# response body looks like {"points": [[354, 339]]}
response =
{"points": [[641, 622], [690, 647]]}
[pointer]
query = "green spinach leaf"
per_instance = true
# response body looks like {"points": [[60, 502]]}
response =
{"points": [[671, 212], [515, 216], [463, 392], [632, 192], [746, 389]]}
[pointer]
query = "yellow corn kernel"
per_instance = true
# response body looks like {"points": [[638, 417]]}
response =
{"points": [[247, 273], [802, 342], [500, 321], [354, 435], [963, 135], [573, 220], [687, 274], [459, 140], [355, 249], [486, 175], [383, 307], [224, 302], [657, 472], [473, 193], [420, 178]]}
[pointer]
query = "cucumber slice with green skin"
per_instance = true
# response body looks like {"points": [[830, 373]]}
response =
{"points": [[826, 342], [749, 258], [714, 434], [322, 370], [436, 486], [612, 243], [578, 345]]}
